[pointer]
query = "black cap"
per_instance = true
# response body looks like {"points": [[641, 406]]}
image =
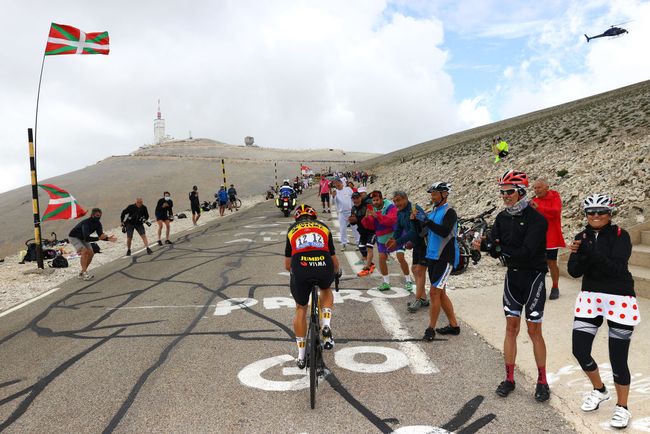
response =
{"points": [[356, 194]]}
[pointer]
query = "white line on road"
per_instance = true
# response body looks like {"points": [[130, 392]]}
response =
{"points": [[25, 303], [193, 306]]}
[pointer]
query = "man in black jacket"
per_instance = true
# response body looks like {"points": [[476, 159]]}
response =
{"points": [[80, 238], [360, 203], [133, 218], [519, 238]]}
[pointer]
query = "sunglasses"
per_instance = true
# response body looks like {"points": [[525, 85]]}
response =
{"points": [[507, 192], [592, 213]]}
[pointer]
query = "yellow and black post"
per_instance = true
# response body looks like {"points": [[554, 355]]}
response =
{"points": [[275, 166], [35, 208], [223, 170]]}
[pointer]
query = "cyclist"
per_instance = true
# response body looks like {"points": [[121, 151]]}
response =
{"points": [[442, 256], [518, 237], [600, 254], [309, 254], [232, 197]]}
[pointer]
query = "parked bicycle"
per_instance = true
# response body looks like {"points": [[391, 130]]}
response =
{"points": [[474, 228]]}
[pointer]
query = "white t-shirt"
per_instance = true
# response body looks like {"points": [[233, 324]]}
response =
{"points": [[343, 199]]}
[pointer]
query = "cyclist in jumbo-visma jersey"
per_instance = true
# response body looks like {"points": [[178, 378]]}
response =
{"points": [[310, 255]]}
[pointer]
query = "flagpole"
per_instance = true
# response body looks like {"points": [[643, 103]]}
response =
{"points": [[35, 208], [38, 97]]}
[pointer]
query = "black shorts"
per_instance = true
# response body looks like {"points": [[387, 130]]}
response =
{"points": [[305, 267], [503, 154], [551, 254], [232, 198], [162, 217], [139, 228], [325, 197], [439, 272], [420, 255], [196, 209], [524, 288], [367, 239]]}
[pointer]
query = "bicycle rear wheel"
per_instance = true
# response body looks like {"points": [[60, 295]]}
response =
{"points": [[313, 363]]}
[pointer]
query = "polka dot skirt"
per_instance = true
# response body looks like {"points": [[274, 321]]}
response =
{"points": [[622, 309]]}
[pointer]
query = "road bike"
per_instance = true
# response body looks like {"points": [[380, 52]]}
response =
{"points": [[236, 204], [314, 356]]}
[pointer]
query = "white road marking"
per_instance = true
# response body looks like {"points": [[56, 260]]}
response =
{"points": [[240, 240], [267, 225], [269, 239], [191, 306], [239, 234], [25, 303], [224, 307], [251, 375], [395, 360], [420, 362]]}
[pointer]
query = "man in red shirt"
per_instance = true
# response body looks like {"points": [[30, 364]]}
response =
{"points": [[549, 204]]}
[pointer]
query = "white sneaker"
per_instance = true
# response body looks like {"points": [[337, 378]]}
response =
{"points": [[343, 247], [86, 276], [593, 399], [620, 418]]}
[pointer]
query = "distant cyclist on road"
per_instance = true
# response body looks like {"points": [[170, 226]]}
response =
{"points": [[518, 237], [600, 254], [309, 254]]}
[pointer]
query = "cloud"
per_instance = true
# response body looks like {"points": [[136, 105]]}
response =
{"points": [[292, 74]]}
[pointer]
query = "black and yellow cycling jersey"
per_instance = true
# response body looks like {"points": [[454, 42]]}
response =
{"points": [[306, 237]]}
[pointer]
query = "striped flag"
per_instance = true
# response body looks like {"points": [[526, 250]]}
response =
{"points": [[62, 205], [64, 39]]}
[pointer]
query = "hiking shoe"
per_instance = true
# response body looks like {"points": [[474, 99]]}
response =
{"points": [[128, 252], [449, 330], [505, 388], [593, 399], [360, 262], [415, 305], [149, 251], [408, 286], [542, 392], [621, 417], [555, 294], [429, 334], [301, 363], [159, 243], [168, 242], [384, 286], [364, 272]]}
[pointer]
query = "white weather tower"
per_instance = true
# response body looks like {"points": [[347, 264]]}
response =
{"points": [[159, 127]]}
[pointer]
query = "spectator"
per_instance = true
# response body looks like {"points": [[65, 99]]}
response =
{"points": [[232, 197], [600, 255], [499, 149], [80, 238], [222, 198], [164, 215], [133, 218], [360, 204], [195, 205], [549, 204], [342, 196], [518, 237]]}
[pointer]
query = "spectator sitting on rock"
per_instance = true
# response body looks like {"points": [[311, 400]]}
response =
{"points": [[499, 149]]}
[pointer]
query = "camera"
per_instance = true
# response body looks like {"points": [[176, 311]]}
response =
{"points": [[148, 223]]}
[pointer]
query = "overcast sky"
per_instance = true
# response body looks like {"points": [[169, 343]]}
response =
{"points": [[371, 75]]}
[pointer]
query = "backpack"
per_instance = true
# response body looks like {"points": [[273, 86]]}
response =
{"points": [[59, 262], [182, 216], [31, 253]]}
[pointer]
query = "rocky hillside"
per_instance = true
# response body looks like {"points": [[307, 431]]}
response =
{"points": [[598, 144]]}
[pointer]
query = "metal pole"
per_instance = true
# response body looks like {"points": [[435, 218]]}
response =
{"points": [[38, 97], [35, 208], [223, 170]]}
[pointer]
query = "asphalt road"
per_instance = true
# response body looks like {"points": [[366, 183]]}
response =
{"points": [[197, 338]]}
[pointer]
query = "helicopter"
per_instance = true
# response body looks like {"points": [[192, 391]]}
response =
{"points": [[611, 32]]}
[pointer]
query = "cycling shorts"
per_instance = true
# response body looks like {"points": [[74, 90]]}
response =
{"points": [[439, 272], [524, 288], [551, 254], [420, 255], [139, 228], [233, 198], [196, 209], [304, 267], [162, 217]]}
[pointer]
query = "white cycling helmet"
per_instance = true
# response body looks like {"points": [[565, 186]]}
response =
{"points": [[597, 201], [440, 186]]}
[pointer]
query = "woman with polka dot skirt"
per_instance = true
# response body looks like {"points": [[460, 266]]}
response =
{"points": [[600, 254]]}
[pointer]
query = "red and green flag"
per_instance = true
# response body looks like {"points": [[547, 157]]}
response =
{"points": [[62, 205], [64, 39]]}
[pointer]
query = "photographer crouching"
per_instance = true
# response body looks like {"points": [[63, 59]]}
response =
{"points": [[133, 218]]}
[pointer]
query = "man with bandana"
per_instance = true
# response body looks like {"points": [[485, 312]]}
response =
{"points": [[518, 238]]}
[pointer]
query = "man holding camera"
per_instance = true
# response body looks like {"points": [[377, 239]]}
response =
{"points": [[133, 218]]}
